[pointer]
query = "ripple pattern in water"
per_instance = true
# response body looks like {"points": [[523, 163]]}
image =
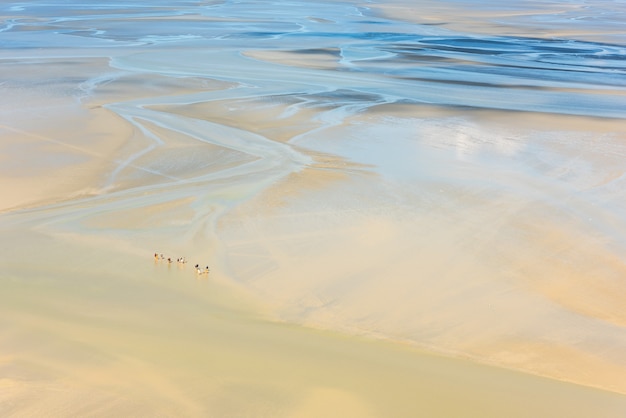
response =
{"points": [[396, 60]]}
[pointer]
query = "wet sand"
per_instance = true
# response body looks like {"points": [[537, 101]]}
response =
{"points": [[385, 239], [91, 328], [535, 18]]}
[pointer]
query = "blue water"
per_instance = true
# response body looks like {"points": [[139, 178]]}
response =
{"points": [[389, 59]]}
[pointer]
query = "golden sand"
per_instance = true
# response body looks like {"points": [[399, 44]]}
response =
{"points": [[338, 287]]}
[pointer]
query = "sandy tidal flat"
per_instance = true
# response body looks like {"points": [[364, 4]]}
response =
{"points": [[404, 214]]}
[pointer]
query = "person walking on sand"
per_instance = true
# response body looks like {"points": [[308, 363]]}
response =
{"points": [[156, 257]]}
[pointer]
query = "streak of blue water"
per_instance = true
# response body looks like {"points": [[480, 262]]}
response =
{"points": [[399, 60]]}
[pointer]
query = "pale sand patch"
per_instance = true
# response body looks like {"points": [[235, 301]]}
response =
{"points": [[279, 118], [48, 162], [93, 326], [123, 87], [367, 272], [320, 58], [529, 18], [61, 130], [176, 158], [330, 402], [138, 339], [517, 276]]}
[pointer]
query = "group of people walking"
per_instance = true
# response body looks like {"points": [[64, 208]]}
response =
{"points": [[182, 261]]}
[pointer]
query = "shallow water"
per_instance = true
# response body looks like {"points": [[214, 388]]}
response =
{"points": [[450, 176]]}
